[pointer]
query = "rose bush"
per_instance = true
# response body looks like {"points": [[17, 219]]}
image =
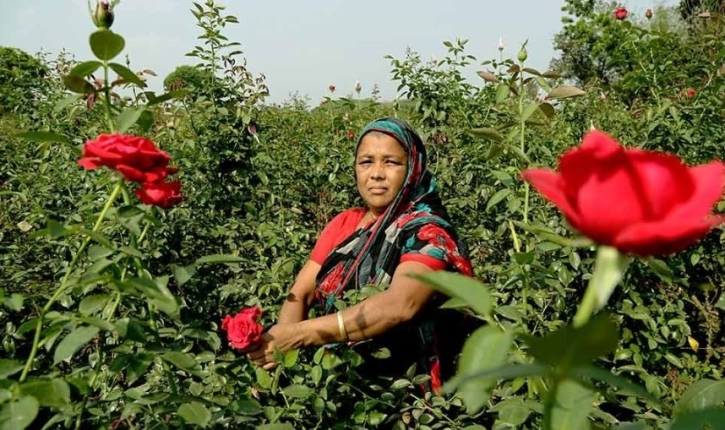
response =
{"points": [[641, 202]]}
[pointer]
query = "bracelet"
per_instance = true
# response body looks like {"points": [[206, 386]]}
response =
{"points": [[341, 326]]}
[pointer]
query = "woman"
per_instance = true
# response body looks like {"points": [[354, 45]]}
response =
{"points": [[403, 230]]}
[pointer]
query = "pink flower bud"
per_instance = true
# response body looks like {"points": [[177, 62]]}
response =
{"points": [[500, 45], [648, 14], [331, 88]]}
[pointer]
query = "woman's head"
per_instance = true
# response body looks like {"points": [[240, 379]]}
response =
{"points": [[389, 161]]}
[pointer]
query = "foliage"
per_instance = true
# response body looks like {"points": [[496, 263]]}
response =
{"points": [[132, 340], [22, 80]]}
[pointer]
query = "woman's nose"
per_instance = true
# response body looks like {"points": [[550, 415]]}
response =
{"points": [[378, 171]]}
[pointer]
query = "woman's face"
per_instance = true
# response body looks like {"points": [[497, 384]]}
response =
{"points": [[381, 165]]}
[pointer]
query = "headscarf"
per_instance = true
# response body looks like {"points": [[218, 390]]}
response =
{"points": [[416, 222]]}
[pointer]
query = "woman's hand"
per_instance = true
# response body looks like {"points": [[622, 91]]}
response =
{"points": [[283, 337]]}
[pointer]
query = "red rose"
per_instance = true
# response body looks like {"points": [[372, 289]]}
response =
{"points": [[641, 202], [620, 13], [690, 92], [242, 329], [161, 194], [351, 135], [648, 14], [331, 88], [136, 158]]}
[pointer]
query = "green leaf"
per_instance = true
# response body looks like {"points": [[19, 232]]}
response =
{"points": [[565, 91], [127, 119], [77, 85], [488, 133], [145, 121], [18, 415], [106, 45], [572, 406], [131, 329], [497, 198], [502, 91], [570, 346], [127, 74], [96, 252], [93, 304], [486, 349], [14, 302], [74, 341], [529, 110], [708, 419], [86, 68], [133, 252], [547, 109], [52, 393], [43, 136], [62, 104], [297, 391], [195, 413], [474, 293], [156, 292], [660, 268], [701, 395], [219, 258], [137, 366], [183, 274], [9, 367], [153, 100], [603, 375], [721, 302], [290, 357], [181, 360]]}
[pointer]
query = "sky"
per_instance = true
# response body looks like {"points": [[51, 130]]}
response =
{"points": [[301, 46]]}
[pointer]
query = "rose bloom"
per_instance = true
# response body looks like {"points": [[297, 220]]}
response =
{"points": [[161, 194], [690, 92], [136, 158], [242, 329], [620, 13], [641, 202]]}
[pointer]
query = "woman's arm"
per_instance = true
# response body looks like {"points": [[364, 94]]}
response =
{"points": [[298, 301], [403, 299]]}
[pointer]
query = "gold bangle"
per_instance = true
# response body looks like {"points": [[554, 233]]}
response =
{"points": [[341, 326]]}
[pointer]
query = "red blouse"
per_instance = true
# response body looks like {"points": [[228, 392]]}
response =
{"points": [[345, 224]]}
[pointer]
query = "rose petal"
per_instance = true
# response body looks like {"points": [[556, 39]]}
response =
{"points": [[131, 174], [89, 163], [709, 181], [599, 144], [665, 237], [549, 184], [663, 181]]}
